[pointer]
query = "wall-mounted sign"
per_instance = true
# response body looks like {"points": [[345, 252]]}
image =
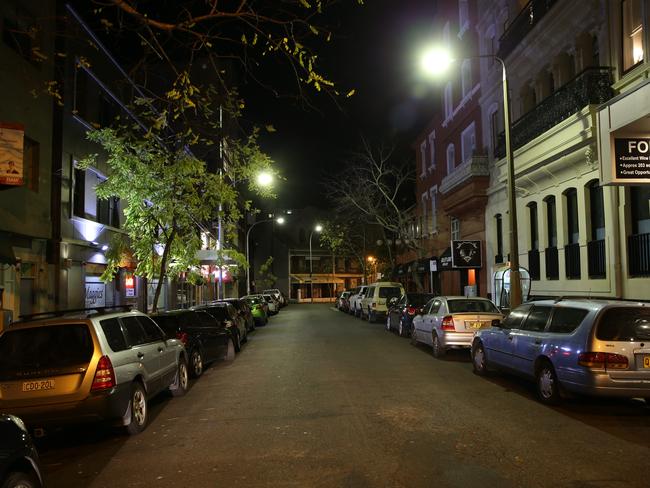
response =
{"points": [[433, 265], [466, 254], [446, 263], [11, 154], [95, 294], [129, 286], [632, 158]]}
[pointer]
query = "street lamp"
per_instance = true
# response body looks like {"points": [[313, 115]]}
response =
{"points": [[436, 61], [318, 228], [279, 220], [264, 179]]}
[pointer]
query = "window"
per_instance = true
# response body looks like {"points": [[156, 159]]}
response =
{"points": [[534, 233], [466, 77], [423, 156], [425, 206], [433, 195], [565, 320], [499, 228], [31, 163], [432, 151], [435, 306], [151, 330], [468, 142], [494, 129], [551, 221], [640, 209], [85, 203], [573, 232], [134, 332], [455, 229], [624, 324], [596, 210], [463, 16], [537, 318], [514, 318], [449, 103], [451, 156], [632, 32], [114, 336]]}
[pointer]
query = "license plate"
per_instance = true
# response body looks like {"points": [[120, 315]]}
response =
{"points": [[38, 385], [646, 361], [475, 325]]}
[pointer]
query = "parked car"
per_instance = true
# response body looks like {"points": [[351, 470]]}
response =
{"points": [[259, 310], [341, 302], [273, 305], [374, 304], [452, 321], [581, 346], [243, 310], [205, 338], [402, 310], [19, 462], [59, 368], [226, 314], [277, 294], [355, 300]]}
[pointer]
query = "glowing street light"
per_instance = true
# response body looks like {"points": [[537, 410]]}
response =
{"points": [[264, 179], [437, 61], [318, 228]]}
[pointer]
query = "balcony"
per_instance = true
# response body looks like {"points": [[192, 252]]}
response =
{"points": [[638, 255], [533, 264], [572, 261], [525, 21], [552, 263], [473, 167], [591, 87], [596, 260]]}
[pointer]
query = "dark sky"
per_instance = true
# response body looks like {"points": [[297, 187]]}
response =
{"points": [[374, 53]]}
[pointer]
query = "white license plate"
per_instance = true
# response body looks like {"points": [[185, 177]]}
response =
{"points": [[646, 361], [38, 385]]}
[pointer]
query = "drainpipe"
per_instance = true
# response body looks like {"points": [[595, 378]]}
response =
{"points": [[615, 240]]}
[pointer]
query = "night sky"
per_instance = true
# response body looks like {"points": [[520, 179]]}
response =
{"points": [[374, 53]]}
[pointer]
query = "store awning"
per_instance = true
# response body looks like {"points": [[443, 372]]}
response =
{"points": [[7, 255], [317, 280]]}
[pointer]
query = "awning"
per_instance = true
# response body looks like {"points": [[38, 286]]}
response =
{"points": [[7, 255], [317, 280]]}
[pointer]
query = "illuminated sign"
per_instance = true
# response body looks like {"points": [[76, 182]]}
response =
{"points": [[466, 254], [11, 154], [129, 286], [632, 158]]}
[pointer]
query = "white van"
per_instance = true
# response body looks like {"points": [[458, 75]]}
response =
{"points": [[374, 304]]}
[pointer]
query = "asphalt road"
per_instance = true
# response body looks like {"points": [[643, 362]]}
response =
{"points": [[321, 399]]}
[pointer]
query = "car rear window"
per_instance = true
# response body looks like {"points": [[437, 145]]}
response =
{"points": [[624, 324], [114, 335], [565, 319], [52, 346], [389, 291], [482, 306]]}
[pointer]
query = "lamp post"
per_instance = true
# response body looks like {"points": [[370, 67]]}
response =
{"points": [[279, 220], [435, 61], [318, 228]]}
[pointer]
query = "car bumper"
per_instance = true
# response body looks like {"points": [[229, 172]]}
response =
{"points": [[112, 405], [602, 384], [457, 339]]}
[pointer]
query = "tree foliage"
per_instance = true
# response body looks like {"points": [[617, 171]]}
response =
{"points": [[266, 279]]}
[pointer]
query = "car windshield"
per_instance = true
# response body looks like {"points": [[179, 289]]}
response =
{"points": [[55, 346], [418, 299], [624, 324], [465, 305], [389, 291]]}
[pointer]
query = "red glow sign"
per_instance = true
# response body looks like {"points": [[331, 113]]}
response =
{"points": [[129, 285]]}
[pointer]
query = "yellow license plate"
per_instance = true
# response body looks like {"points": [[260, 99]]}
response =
{"points": [[646, 361], [38, 385], [476, 325]]}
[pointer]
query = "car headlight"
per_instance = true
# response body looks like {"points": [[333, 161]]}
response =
{"points": [[19, 423]]}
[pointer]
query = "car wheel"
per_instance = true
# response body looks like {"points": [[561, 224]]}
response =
{"points": [[18, 479], [548, 388], [479, 363], [400, 328], [182, 381], [438, 350], [139, 410], [230, 351], [196, 363]]}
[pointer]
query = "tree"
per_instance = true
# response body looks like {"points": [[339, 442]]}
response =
{"points": [[266, 279]]}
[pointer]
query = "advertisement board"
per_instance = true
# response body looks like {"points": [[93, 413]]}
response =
{"points": [[466, 254], [11, 154]]}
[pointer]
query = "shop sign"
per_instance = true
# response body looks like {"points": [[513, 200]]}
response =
{"points": [[11, 154], [446, 263], [466, 254], [95, 294], [433, 265], [129, 286], [632, 158]]}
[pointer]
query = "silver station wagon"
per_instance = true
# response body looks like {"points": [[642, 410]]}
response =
{"points": [[583, 346]]}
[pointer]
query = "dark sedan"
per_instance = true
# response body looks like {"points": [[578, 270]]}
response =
{"points": [[226, 313], [402, 310], [19, 464], [243, 310], [205, 338]]}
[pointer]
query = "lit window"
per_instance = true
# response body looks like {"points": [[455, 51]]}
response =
{"points": [[632, 33]]}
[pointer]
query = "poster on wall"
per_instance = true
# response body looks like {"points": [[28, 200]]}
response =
{"points": [[95, 294], [632, 158], [466, 254], [11, 154]]}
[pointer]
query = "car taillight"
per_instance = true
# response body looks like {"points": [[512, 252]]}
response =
{"points": [[183, 337], [448, 323], [411, 310], [104, 376], [602, 360]]}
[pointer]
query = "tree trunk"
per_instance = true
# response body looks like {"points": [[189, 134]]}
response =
{"points": [[163, 270]]}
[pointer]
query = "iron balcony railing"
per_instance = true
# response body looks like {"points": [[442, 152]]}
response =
{"points": [[591, 87], [519, 28], [572, 261], [533, 264], [552, 263], [638, 255], [596, 260]]}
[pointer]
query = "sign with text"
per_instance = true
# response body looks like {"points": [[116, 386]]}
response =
{"points": [[632, 158], [11, 154], [466, 254], [95, 294], [129, 286]]}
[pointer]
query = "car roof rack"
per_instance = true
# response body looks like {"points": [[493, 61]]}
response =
{"points": [[60, 313]]}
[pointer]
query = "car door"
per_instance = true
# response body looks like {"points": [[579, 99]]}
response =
{"points": [[167, 350], [214, 336], [528, 340], [430, 319], [498, 341], [143, 353], [418, 322]]}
